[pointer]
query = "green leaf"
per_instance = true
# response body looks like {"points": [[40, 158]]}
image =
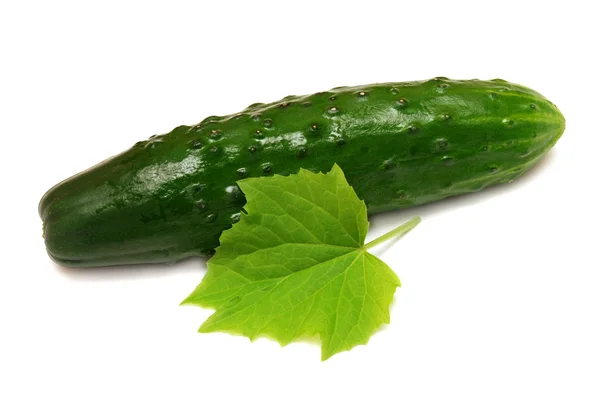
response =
{"points": [[296, 265]]}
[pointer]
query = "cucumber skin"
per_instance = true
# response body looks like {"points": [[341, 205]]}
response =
{"points": [[399, 145]]}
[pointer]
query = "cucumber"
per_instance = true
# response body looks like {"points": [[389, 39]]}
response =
{"points": [[399, 144]]}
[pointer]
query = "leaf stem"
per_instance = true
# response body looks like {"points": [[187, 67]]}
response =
{"points": [[403, 229]]}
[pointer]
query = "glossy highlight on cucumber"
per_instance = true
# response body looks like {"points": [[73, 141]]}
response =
{"points": [[399, 144]]}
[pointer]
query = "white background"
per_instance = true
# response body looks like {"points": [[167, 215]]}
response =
{"points": [[501, 289]]}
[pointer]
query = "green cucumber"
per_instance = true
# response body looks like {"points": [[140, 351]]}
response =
{"points": [[399, 144]]}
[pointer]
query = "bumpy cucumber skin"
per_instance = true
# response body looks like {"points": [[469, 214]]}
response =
{"points": [[399, 144]]}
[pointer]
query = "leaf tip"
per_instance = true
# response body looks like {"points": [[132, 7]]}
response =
{"points": [[336, 170], [326, 354], [205, 328], [186, 301]]}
